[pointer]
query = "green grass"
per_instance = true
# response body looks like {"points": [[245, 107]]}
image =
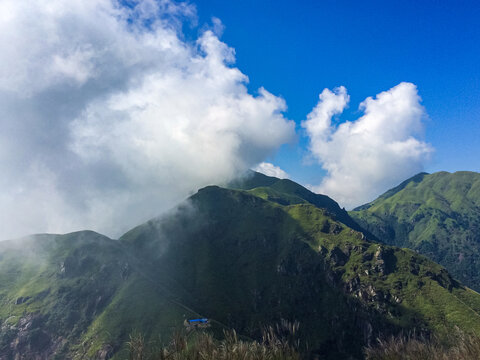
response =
{"points": [[437, 215], [453, 346], [277, 343], [243, 258]]}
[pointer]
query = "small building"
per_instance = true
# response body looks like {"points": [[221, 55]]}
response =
{"points": [[196, 323]]}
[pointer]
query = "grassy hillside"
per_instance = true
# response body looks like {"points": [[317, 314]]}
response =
{"points": [[256, 261], [437, 215], [285, 191], [243, 258], [52, 288]]}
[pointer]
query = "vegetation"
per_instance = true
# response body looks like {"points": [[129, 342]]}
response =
{"points": [[456, 346], [277, 343], [241, 257], [437, 215]]}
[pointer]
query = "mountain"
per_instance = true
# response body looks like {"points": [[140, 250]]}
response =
{"points": [[244, 257], [287, 192], [437, 215]]}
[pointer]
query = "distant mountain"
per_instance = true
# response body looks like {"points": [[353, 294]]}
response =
{"points": [[244, 258], [437, 215], [288, 192]]}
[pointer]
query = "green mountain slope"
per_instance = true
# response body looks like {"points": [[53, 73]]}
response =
{"points": [[242, 258], [52, 287], [77, 295], [287, 192], [437, 215]]}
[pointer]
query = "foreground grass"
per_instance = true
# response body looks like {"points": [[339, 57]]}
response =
{"points": [[456, 346], [275, 345]]}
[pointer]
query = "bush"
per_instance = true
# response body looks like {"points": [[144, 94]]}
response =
{"points": [[455, 346], [278, 343]]}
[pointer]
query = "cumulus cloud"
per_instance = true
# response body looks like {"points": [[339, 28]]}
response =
{"points": [[271, 170], [110, 117], [365, 157]]}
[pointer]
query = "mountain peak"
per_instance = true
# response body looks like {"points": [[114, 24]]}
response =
{"points": [[436, 214]]}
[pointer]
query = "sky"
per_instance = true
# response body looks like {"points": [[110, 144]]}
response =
{"points": [[112, 112], [297, 49]]}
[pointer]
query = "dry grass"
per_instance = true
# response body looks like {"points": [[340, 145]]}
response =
{"points": [[455, 346], [278, 343]]}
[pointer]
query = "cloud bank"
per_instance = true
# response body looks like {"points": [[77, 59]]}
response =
{"points": [[365, 157], [109, 116], [271, 170]]}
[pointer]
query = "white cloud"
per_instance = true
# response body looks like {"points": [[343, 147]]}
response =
{"points": [[218, 27], [108, 117], [271, 170], [365, 157]]}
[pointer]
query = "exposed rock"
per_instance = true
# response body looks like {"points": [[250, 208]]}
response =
{"points": [[125, 271], [398, 285], [443, 279], [338, 257], [352, 285], [379, 261], [414, 268], [367, 256], [331, 228], [367, 330], [347, 249], [322, 250], [21, 300], [29, 340], [63, 269], [105, 353]]}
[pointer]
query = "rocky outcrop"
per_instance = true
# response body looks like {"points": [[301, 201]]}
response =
{"points": [[27, 340]]}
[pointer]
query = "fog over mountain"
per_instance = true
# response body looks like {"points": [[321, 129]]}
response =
{"points": [[110, 115]]}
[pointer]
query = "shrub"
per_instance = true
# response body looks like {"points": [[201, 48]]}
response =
{"points": [[455, 346], [278, 343]]}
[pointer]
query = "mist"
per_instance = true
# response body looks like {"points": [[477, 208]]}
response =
{"points": [[110, 116]]}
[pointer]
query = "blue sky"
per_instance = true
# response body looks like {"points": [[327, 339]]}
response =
{"points": [[296, 49]]}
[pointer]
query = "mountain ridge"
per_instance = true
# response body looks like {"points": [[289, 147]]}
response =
{"points": [[242, 258], [439, 216]]}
